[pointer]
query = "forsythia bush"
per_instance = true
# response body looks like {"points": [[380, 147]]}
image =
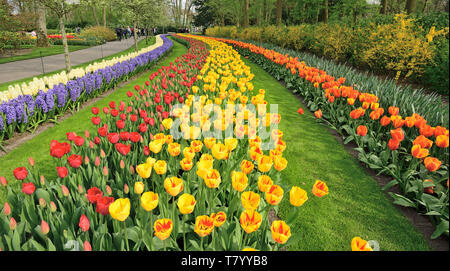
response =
{"points": [[100, 31]]}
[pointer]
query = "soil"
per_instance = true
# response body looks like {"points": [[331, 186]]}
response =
{"points": [[19, 52]]}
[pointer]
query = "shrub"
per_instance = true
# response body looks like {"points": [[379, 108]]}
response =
{"points": [[99, 32]]}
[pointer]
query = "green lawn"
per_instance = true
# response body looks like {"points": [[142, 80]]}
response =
{"points": [[141, 44], [39, 146], [355, 205], [45, 51]]}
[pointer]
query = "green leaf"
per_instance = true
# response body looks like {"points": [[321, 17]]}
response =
{"points": [[390, 184], [37, 246], [440, 229], [401, 200], [41, 193], [16, 241]]}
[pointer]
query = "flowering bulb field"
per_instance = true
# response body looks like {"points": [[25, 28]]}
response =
{"points": [[194, 158], [142, 184]]}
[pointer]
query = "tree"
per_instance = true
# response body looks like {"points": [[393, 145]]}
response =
{"points": [[246, 19], [41, 33], [325, 11], [383, 7], [61, 8], [279, 11], [410, 6]]}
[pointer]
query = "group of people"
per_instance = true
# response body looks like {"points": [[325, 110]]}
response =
{"points": [[127, 32]]}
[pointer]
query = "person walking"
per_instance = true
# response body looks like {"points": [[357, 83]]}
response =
{"points": [[119, 33]]}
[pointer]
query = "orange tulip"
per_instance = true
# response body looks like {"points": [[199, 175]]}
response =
{"points": [[173, 185], [429, 189], [398, 134], [359, 244], [264, 182], [274, 194], [186, 164], [163, 228], [320, 189], [250, 220], [204, 225], [423, 142], [385, 120], [318, 114], [297, 196], [212, 178], [393, 144], [361, 130], [418, 152], [432, 164], [247, 166], [264, 163], [239, 180], [280, 163], [426, 130], [281, 232], [442, 141], [219, 218], [196, 145], [250, 200], [393, 110]]}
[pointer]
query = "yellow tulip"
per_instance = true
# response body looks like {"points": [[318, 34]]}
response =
{"points": [[167, 123], [219, 151], [156, 145], [144, 170], [219, 218], [212, 178], [264, 163], [186, 164], [239, 180], [250, 200], [138, 187], [163, 228], [160, 167], [174, 149], [149, 200], [250, 220], [173, 185], [186, 203], [297, 196], [274, 194], [280, 231], [120, 209], [204, 225]]}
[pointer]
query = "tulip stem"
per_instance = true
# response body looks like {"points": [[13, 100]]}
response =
{"points": [[184, 233], [201, 243], [151, 229], [126, 235]]}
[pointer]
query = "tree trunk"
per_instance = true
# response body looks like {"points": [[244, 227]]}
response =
{"points": [[383, 7], [104, 15], [94, 13], [279, 11], [246, 20], [135, 37], [410, 6], [325, 11], [64, 40], [42, 40]]}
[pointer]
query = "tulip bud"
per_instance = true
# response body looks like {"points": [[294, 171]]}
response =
{"points": [[105, 171], [80, 189], [126, 189], [122, 164], [7, 209], [12, 223], [91, 144], [108, 190], [52, 207], [44, 227], [42, 202], [97, 161], [86, 160], [86, 133], [132, 170], [3, 181], [42, 179], [65, 190], [138, 187], [31, 161], [102, 153], [87, 246]]}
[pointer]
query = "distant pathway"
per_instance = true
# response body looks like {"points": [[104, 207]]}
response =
{"points": [[33, 67]]}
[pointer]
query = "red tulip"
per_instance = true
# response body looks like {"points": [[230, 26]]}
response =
{"points": [[103, 205], [3, 181], [28, 188], [143, 127], [124, 136], [94, 194], [122, 148], [135, 137], [84, 223], [300, 111], [96, 120], [87, 246], [78, 140], [20, 173], [112, 104], [103, 131], [113, 138], [95, 110], [62, 172], [75, 160]]}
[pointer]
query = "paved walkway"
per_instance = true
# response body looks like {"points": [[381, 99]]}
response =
{"points": [[33, 67]]}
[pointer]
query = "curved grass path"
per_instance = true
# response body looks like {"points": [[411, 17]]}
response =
{"points": [[355, 205], [39, 146]]}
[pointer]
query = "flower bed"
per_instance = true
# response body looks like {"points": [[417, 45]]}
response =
{"points": [[25, 107], [413, 152], [167, 170]]}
